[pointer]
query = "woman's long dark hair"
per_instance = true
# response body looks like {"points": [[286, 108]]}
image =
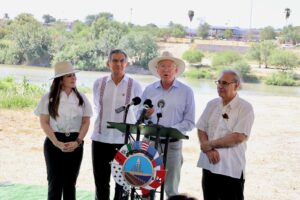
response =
{"points": [[54, 96]]}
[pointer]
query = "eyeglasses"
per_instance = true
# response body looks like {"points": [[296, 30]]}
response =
{"points": [[224, 83]]}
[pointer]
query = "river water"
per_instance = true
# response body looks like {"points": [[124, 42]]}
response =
{"points": [[41, 75]]}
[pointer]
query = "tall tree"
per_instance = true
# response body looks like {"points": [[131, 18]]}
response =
{"points": [[287, 14], [266, 48], [31, 40], [290, 34], [48, 19], [255, 53], [228, 34], [267, 33], [140, 46], [203, 30]]}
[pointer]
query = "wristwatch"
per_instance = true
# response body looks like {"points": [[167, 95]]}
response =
{"points": [[79, 141]]}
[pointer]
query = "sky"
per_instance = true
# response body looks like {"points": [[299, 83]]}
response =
{"points": [[161, 12]]}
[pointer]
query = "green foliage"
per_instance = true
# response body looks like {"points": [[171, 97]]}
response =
{"points": [[31, 40], [108, 32], [193, 56], [267, 33], [255, 54], [241, 67], [60, 37], [48, 19], [228, 34], [141, 47], [90, 19], [281, 79], [226, 58], [283, 59], [86, 55], [261, 52], [177, 30], [203, 30], [18, 95], [290, 34], [198, 73], [33, 192], [149, 28], [266, 48]]}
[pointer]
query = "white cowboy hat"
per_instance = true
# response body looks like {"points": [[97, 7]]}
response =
{"points": [[63, 68], [166, 56]]}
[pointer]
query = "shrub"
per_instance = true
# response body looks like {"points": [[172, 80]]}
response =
{"points": [[18, 95], [226, 58], [193, 56], [242, 68], [198, 73], [281, 79]]}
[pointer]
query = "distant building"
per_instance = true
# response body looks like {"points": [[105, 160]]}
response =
{"points": [[68, 23]]}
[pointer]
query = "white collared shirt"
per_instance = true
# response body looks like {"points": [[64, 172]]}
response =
{"points": [[240, 120], [70, 114], [114, 96]]}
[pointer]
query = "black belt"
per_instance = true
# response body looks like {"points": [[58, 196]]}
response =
{"points": [[67, 136], [164, 141]]}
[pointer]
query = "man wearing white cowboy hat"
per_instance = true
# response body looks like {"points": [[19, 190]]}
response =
{"points": [[178, 111]]}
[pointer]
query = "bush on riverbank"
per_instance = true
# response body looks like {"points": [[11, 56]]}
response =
{"points": [[198, 73], [281, 79], [19, 95]]}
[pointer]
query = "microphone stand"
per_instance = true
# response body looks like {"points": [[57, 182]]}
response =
{"points": [[127, 133], [157, 141]]}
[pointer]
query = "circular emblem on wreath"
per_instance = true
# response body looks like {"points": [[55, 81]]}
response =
{"points": [[138, 164]]}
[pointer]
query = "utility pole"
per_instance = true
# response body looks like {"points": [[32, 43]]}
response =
{"points": [[250, 20]]}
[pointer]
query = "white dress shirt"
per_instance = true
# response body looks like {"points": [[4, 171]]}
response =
{"points": [[114, 96], [240, 120], [70, 114]]}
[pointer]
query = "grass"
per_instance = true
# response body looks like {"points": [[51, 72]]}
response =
{"points": [[18, 95], [34, 192]]}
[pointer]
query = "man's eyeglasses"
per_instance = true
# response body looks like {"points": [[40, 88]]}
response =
{"points": [[224, 83]]}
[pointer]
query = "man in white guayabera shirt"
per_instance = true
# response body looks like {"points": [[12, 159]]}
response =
{"points": [[111, 92], [223, 130], [178, 111]]}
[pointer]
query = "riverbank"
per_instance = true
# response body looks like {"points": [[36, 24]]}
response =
{"points": [[273, 154]]}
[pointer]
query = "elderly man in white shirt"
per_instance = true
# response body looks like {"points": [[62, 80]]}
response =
{"points": [[223, 130], [178, 111], [111, 92]]}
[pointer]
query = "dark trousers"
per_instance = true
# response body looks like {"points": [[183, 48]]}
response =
{"points": [[102, 155], [220, 187], [62, 168]]}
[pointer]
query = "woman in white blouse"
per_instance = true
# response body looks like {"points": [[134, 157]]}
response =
{"points": [[65, 118]]}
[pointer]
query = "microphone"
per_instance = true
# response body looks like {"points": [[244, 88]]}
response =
{"points": [[160, 104], [135, 101], [147, 104], [225, 116]]}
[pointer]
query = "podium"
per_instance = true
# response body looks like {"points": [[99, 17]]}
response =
{"points": [[148, 130], [152, 130]]}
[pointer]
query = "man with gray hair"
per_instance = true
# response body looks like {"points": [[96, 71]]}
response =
{"points": [[178, 111], [223, 130]]}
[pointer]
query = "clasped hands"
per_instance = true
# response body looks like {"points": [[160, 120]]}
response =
{"points": [[67, 147], [211, 153]]}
